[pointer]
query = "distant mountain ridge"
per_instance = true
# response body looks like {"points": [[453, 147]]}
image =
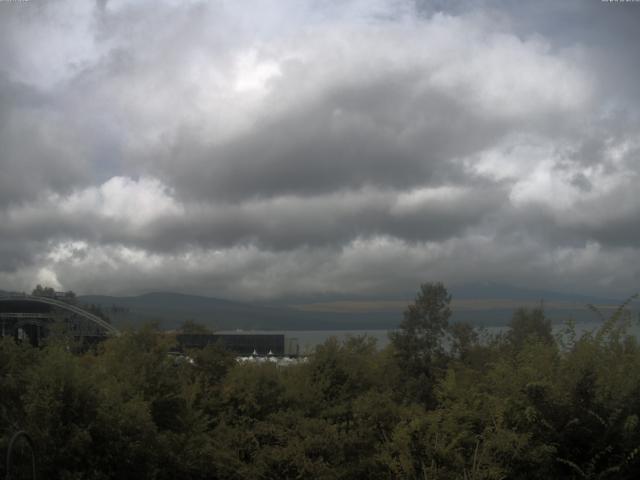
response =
{"points": [[495, 290], [486, 304], [171, 309]]}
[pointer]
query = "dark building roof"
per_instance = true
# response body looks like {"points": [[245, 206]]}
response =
{"points": [[241, 344]]}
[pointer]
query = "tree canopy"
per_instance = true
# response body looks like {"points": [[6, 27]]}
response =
{"points": [[436, 403]]}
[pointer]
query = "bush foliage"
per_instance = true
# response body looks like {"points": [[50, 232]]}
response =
{"points": [[440, 402]]}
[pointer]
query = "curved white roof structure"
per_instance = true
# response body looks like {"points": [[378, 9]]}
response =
{"points": [[106, 326]]}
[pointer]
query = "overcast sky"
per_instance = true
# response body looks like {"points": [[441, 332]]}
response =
{"points": [[271, 148]]}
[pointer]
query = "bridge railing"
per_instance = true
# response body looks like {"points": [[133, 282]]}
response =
{"points": [[40, 316], [110, 329]]}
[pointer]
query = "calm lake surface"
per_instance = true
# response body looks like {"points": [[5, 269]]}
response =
{"points": [[309, 339]]}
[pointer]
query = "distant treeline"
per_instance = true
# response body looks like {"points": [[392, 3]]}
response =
{"points": [[524, 404], [105, 313], [71, 297]]}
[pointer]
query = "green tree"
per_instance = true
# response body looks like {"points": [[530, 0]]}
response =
{"points": [[464, 339], [193, 327], [529, 325], [418, 342], [41, 291]]}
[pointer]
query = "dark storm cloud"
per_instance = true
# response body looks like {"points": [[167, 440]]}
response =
{"points": [[38, 153], [276, 224], [381, 135], [338, 147], [16, 254], [608, 29], [335, 220]]}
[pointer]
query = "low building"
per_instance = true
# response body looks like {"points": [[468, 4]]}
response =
{"points": [[260, 344]]}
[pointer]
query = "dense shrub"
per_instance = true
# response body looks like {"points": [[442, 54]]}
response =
{"points": [[522, 405]]}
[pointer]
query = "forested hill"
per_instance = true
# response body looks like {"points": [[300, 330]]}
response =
{"points": [[479, 304], [172, 309]]}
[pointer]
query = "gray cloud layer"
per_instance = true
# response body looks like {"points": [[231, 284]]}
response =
{"points": [[300, 148]]}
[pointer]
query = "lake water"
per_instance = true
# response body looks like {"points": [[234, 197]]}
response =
{"points": [[309, 339]]}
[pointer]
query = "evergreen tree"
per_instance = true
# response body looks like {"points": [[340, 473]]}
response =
{"points": [[418, 342]]}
